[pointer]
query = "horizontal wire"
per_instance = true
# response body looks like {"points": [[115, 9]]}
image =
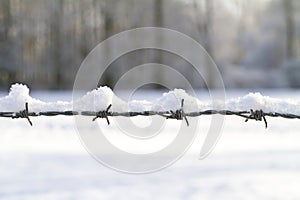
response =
{"points": [[147, 113], [179, 114]]}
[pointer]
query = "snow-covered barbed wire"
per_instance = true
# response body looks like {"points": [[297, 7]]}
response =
{"points": [[19, 104]]}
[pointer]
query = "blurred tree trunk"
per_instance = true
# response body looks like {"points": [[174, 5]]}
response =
{"points": [[7, 60], [5, 20], [5, 25], [290, 28], [56, 43], [158, 13], [205, 30], [96, 9], [158, 22], [108, 23], [209, 9]]}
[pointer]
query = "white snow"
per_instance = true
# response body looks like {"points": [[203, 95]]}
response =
{"points": [[257, 101], [48, 161], [19, 95], [99, 99]]}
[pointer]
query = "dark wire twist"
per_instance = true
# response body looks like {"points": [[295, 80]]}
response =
{"points": [[257, 115], [178, 114], [22, 114], [103, 114]]}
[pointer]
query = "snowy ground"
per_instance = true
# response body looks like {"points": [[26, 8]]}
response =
{"points": [[48, 161]]}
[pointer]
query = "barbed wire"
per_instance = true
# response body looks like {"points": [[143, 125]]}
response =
{"points": [[257, 115]]}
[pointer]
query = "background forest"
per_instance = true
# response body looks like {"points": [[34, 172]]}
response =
{"points": [[254, 43]]}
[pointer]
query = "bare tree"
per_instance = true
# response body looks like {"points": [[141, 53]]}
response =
{"points": [[290, 28], [108, 27], [56, 42], [205, 30], [7, 62], [158, 22]]}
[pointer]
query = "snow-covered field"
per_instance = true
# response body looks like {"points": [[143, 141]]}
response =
{"points": [[48, 161]]}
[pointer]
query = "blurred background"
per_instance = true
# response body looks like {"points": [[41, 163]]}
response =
{"points": [[255, 43]]}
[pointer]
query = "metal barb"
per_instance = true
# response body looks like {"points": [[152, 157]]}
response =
{"points": [[103, 114], [257, 115], [23, 114], [179, 114]]}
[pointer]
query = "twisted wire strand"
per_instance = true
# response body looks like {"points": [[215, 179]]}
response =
{"points": [[257, 115]]}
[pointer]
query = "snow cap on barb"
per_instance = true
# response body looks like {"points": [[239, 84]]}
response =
{"points": [[257, 101], [19, 95], [15, 101], [99, 99], [251, 101], [19, 89], [172, 101]]}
